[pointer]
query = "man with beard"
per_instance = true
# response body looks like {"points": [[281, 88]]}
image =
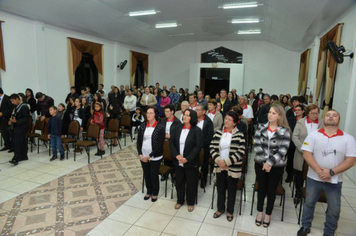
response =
{"points": [[328, 152]]}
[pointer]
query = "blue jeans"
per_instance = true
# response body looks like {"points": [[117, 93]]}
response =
{"points": [[56, 143], [333, 196]]}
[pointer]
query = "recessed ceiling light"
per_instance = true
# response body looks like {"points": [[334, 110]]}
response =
{"points": [[239, 5], [243, 21], [166, 25], [143, 13], [183, 34], [249, 32]]}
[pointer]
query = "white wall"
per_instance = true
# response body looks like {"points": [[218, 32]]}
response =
{"points": [[36, 57], [265, 65]]}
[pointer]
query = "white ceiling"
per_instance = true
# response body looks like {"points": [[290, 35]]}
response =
{"points": [[291, 24]]}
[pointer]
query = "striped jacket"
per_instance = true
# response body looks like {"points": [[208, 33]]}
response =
{"points": [[277, 146], [236, 152]]}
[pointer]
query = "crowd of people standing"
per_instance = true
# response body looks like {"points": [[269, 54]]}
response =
{"points": [[285, 133]]}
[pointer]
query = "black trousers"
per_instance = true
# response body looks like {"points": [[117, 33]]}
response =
{"points": [[298, 178], [226, 182], [205, 167], [5, 132], [267, 186], [186, 184], [20, 147], [290, 159], [150, 172]]}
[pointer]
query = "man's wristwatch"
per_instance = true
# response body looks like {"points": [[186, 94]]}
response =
{"points": [[332, 173]]}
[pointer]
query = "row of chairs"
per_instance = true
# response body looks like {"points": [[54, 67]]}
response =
{"points": [[92, 132]]}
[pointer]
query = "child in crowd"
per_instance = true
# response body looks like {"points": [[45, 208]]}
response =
{"points": [[99, 119], [137, 119], [54, 133], [65, 117]]}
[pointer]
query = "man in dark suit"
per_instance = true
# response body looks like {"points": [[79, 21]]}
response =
{"points": [[264, 109], [6, 108], [170, 123], [260, 94], [225, 103], [19, 123], [207, 126], [295, 101]]}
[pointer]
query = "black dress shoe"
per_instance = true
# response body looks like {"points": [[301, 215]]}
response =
{"points": [[154, 199], [11, 150], [303, 231], [4, 149], [62, 157], [288, 179], [147, 197], [53, 158], [14, 162]]}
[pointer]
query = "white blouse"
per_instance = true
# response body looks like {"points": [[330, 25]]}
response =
{"points": [[182, 138], [147, 144]]}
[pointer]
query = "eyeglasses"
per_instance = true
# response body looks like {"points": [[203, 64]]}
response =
{"points": [[298, 110], [151, 113]]}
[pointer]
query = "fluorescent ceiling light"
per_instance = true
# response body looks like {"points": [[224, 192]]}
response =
{"points": [[166, 25], [249, 32], [183, 34], [242, 21], [240, 5], [143, 13]]}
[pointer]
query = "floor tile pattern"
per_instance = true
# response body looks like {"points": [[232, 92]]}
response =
{"points": [[74, 203]]}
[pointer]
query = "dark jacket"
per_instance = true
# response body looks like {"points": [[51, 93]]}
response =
{"points": [[43, 106], [290, 113], [263, 114], [22, 114], [176, 122], [157, 139], [226, 107], [81, 115], [33, 104], [6, 108], [208, 132], [192, 148], [115, 102], [65, 117], [55, 126], [70, 95]]}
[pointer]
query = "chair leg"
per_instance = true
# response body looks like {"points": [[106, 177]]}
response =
{"points": [[38, 146], [110, 146], [284, 198], [300, 210], [74, 151], [253, 199], [49, 148], [165, 194], [125, 138], [143, 182], [241, 200], [212, 198], [244, 193], [203, 181], [293, 187], [88, 153], [280, 203]]}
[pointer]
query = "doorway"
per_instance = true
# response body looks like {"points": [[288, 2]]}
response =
{"points": [[212, 80], [140, 75], [86, 74]]}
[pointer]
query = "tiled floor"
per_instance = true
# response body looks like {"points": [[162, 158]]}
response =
{"points": [[134, 216]]}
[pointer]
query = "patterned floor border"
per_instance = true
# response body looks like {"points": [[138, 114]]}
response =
{"points": [[76, 202]]}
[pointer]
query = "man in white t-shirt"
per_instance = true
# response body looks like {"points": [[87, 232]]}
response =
{"points": [[328, 152], [247, 109]]}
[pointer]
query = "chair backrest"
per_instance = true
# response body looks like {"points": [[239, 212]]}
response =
{"points": [[243, 169], [113, 125], [167, 155], [125, 121], [39, 125], [93, 131], [88, 124], [45, 128], [74, 128], [29, 125], [201, 156]]}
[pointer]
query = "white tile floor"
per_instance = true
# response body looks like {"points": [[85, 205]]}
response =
{"points": [[139, 217], [160, 218]]}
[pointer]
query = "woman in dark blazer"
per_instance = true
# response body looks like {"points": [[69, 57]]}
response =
{"points": [[150, 141], [186, 144], [271, 143]]}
